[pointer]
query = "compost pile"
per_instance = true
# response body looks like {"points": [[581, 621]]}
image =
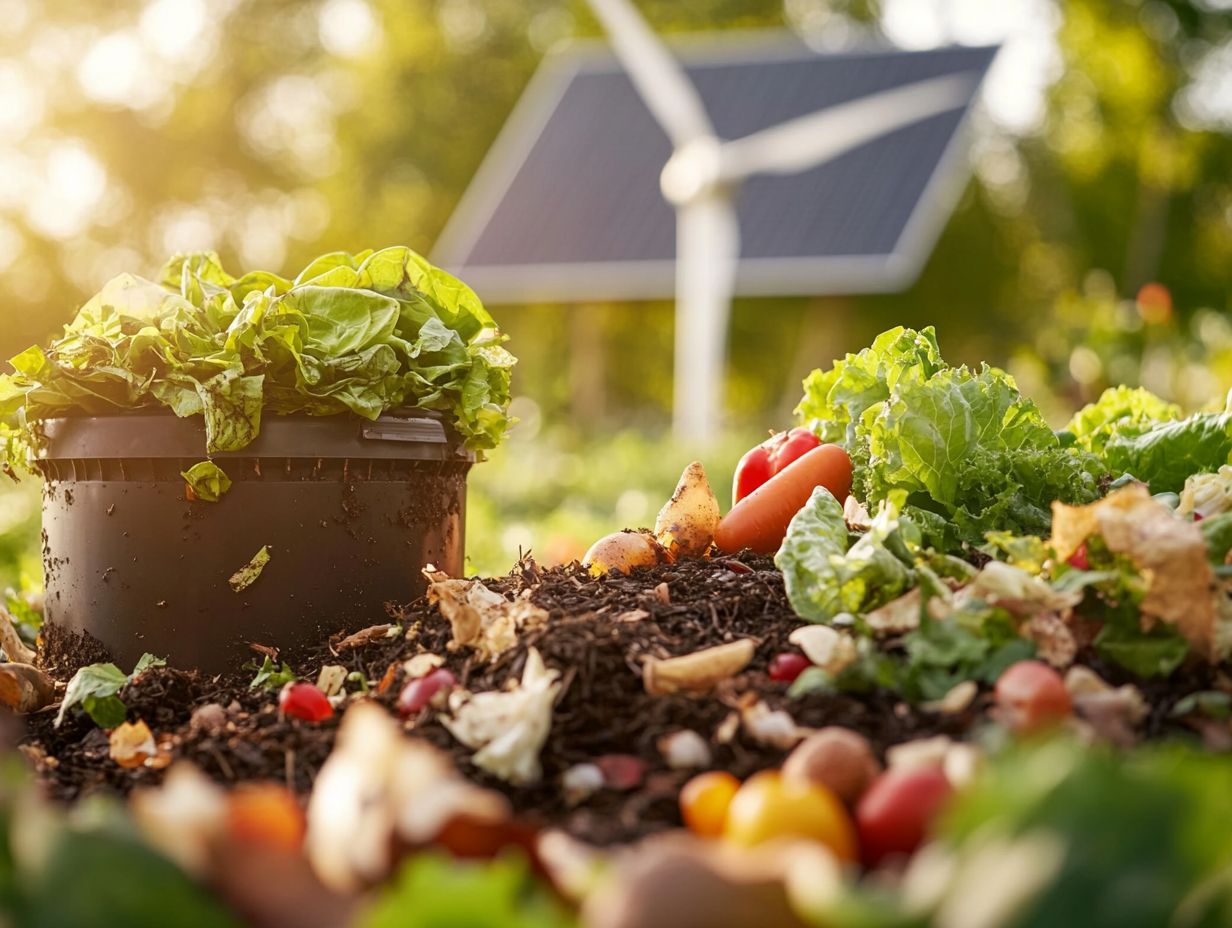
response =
{"points": [[937, 659]]}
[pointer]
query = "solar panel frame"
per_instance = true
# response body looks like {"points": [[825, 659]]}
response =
{"points": [[500, 193]]}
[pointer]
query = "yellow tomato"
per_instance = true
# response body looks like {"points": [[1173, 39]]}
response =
{"points": [[767, 807], [704, 801]]}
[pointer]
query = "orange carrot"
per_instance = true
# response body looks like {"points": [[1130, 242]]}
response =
{"points": [[759, 521]]}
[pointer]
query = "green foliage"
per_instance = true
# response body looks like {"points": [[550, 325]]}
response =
{"points": [[826, 575], [96, 689], [271, 676], [208, 481], [968, 449], [435, 891], [1167, 454], [361, 333]]}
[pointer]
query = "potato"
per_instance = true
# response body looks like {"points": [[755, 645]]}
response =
{"points": [[687, 522], [837, 758], [622, 551]]}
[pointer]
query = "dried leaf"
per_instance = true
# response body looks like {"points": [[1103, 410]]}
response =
{"points": [[699, 670], [1170, 552], [480, 618], [1017, 592], [10, 642], [132, 745], [1054, 640], [364, 636]]}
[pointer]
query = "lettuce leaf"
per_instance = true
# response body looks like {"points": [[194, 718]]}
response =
{"points": [[1119, 411], [1167, 454], [360, 333], [825, 576], [969, 450]]}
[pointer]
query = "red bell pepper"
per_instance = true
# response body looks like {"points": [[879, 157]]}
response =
{"points": [[761, 463]]}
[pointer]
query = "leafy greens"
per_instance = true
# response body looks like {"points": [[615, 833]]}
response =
{"points": [[360, 333], [968, 449]]}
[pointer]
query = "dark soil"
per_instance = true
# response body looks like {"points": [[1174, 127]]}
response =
{"points": [[599, 630]]}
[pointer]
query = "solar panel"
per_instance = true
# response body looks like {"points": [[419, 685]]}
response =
{"points": [[567, 205]]}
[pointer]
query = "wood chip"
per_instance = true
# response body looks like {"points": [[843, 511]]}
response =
{"points": [[24, 688], [10, 642]]}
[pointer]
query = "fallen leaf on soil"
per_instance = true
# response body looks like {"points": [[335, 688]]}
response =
{"points": [[480, 618], [828, 648], [362, 637], [686, 524], [247, 575], [24, 688], [10, 642], [132, 745], [956, 700], [699, 670], [508, 729], [1170, 552], [1112, 712]]}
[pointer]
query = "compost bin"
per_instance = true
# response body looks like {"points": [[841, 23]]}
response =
{"points": [[349, 512]]}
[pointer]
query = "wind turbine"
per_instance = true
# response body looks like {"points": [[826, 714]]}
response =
{"points": [[701, 177]]}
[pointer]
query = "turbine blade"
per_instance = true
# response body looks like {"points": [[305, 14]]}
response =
{"points": [[808, 141], [656, 74]]}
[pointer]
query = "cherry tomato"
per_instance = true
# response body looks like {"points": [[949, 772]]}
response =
{"points": [[265, 814], [761, 463], [768, 807], [304, 701], [417, 693], [1031, 695], [787, 666], [1079, 558], [704, 801], [895, 813]]}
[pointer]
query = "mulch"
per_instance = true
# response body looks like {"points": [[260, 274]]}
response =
{"points": [[597, 634]]}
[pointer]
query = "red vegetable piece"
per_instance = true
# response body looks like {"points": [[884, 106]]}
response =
{"points": [[304, 701], [621, 771], [895, 813], [1079, 558], [1031, 695], [787, 666], [417, 693], [761, 463]]}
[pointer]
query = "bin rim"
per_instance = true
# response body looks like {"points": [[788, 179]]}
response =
{"points": [[404, 434]]}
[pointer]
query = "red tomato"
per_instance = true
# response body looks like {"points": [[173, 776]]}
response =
{"points": [[1031, 695], [895, 814], [787, 666], [761, 463], [417, 693], [304, 701], [1079, 558]]}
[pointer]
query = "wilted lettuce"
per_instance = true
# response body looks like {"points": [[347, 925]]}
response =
{"points": [[360, 333], [1165, 456], [971, 452]]}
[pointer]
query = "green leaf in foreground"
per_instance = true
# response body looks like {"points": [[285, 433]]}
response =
{"points": [[247, 575], [96, 687], [435, 891], [207, 480]]}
